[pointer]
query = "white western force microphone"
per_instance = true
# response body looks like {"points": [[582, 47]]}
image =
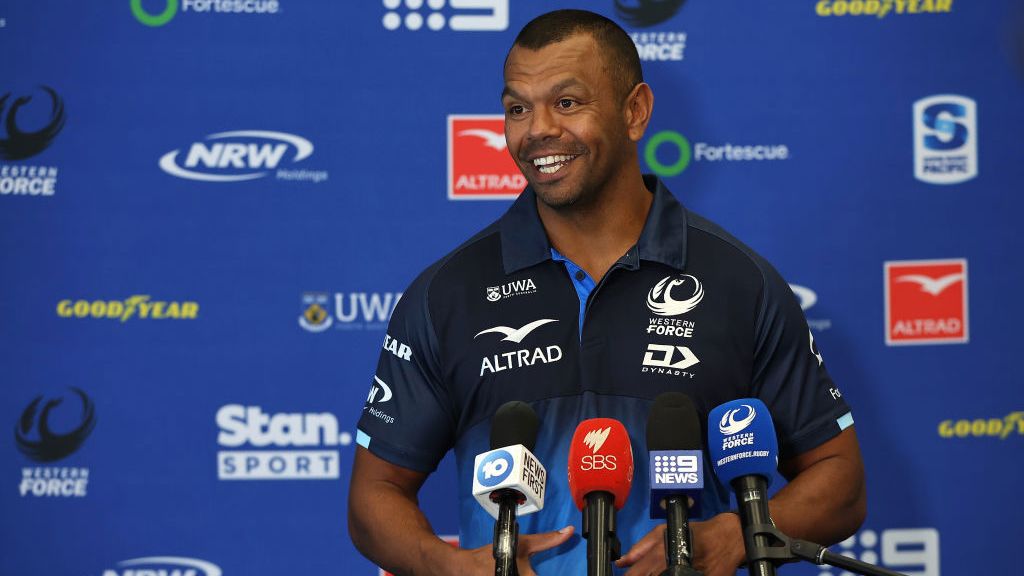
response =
{"points": [[744, 453], [509, 479], [677, 474]]}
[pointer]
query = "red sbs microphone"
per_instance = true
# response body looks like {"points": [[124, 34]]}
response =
{"points": [[600, 476]]}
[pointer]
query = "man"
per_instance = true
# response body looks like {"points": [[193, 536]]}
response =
{"points": [[594, 293]]}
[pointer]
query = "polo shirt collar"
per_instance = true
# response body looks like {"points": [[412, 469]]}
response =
{"points": [[524, 242]]}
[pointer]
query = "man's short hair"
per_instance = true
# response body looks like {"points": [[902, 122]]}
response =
{"points": [[616, 46]]}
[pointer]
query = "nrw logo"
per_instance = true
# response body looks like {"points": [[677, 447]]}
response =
{"points": [[31, 127], [808, 298], [164, 566], [736, 420], [926, 302], [660, 299], [380, 393], [945, 139], [646, 13], [285, 446], [351, 310], [908, 550], [596, 438], [241, 155], [495, 19], [50, 431], [479, 164], [160, 12]]}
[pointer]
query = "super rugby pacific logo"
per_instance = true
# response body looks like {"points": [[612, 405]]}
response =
{"points": [[236, 156], [661, 301], [736, 420]]}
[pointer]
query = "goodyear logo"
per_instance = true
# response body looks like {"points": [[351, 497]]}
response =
{"points": [[881, 8], [1011, 424], [137, 306]]}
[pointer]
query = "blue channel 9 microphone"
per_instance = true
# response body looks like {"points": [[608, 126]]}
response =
{"points": [[509, 479], [745, 454], [677, 474]]}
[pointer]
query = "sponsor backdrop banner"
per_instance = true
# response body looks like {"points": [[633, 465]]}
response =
{"points": [[209, 209]]}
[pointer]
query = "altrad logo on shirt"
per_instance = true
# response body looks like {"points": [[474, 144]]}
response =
{"points": [[522, 357]]}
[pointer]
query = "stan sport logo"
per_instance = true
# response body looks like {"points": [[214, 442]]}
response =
{"points": [[926, 302], [479, 165]]}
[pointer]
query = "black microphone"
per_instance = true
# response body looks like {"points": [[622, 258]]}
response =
{"points": [[509, 478], [677, 462]]}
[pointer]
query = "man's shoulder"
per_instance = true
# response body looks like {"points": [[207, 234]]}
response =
{"points": [[480, 251], [730, 251]]}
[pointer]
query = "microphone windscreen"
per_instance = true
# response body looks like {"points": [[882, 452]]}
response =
{"points": [[514, 423], [741, 439], [673, 424], [600, 460]]}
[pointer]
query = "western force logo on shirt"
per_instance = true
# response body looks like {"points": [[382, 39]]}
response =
{"points": [[479, 164], [662, 298], [926, 302], [521, 357]]}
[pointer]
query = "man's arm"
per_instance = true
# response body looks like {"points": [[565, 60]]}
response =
{"points": [[388, 527], [824, 502]]}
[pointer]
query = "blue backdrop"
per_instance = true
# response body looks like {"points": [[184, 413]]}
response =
{"points": [[208, 209]]}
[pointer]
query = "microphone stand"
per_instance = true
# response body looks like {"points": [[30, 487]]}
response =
{"points": [[676, 538], [506, 533], [599, 530], [785, 549]]}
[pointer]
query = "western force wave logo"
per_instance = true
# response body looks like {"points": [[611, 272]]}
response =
{"points": [[736, 420], [171, 565], [241, 155], [661, 301], [19, 144], [45, 445], [646, 12], [596, 438]]}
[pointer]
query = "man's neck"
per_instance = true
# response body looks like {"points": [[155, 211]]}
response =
{"points": [[597, 235]]}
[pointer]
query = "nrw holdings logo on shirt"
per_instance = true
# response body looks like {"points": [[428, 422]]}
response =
{"points": [[479, 164], [926, 302]]}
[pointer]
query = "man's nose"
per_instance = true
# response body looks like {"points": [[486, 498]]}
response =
{"points": [[544, 124]]}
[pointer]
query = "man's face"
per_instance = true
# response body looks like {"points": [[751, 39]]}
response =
{"points": [[564, 122]]}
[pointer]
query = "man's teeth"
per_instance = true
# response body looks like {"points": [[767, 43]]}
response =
{"points": [[551, 164]]}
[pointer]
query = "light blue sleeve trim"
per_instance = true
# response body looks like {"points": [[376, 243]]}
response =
{"points": [[363, 439], [845, 421]]}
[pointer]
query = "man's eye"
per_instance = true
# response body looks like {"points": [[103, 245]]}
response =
{"points": [[566, 103], [515, 110]]}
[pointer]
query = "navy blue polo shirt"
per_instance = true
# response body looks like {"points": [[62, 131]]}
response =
{"points": [[504, 317]]}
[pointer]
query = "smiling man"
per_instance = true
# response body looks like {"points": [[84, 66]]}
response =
{"points": [[553, 305]]}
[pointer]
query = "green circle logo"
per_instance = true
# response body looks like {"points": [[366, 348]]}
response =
{"points": [[652, 147], [154, 20]]}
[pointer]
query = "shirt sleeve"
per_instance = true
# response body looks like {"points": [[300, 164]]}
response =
{"points": [[408, 418], [789, 372]]}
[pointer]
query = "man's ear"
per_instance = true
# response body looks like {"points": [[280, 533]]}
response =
{"points": [[639, 105]]}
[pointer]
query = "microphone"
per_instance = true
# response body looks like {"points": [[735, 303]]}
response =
{"points": [[744, 453], [677, 474], [600, 476], [509, 479]]}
